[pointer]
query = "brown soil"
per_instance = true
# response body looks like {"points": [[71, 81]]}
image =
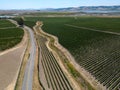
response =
{"points": [[10, 61], [74, 84], [36, 84], [23, 65]]}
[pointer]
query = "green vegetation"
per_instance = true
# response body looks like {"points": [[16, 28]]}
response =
{"points": [[6, 23], [105, 24], [9, 37], [19, 20], [30, 23], [97, 52]]}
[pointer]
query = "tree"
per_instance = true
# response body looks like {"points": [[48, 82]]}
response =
{"points": [[20, 21]]}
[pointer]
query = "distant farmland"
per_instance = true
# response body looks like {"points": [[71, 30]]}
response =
{"points": [[9, 35], [6, 23], [97, 52]]}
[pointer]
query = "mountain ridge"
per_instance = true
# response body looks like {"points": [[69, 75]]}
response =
{"points": [[89, 8]]}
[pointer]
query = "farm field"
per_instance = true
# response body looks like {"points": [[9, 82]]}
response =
{"points": [[96, 52], [9, 37], [10, 60], [53, 77], [6, 23]]}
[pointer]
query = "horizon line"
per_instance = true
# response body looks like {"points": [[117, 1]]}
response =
{"points": [[58, 7]]}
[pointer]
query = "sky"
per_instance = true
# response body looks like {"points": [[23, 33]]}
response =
{"points": [[40, 4]]}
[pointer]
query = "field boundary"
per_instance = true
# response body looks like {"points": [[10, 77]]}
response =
{"points": [[11, 37], [23, 64], [13, 48], [57, 45], [91, 29], [22, 43], [36, 81], [49, 37], [8, 27], [12, 85], [72, 81]]}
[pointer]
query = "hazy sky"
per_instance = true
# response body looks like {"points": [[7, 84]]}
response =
{"points": [[38, 4]]}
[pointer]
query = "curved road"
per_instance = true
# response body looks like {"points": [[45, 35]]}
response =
{"points": [[29, 70], [28, 76]]}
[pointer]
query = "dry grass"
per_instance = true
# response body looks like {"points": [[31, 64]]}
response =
{"points": [[59, 56], [36, 84], [22, 69], [9, 64], [72, 74], [10, 61]]}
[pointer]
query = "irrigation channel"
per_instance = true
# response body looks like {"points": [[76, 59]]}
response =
{"points": [[50, 74]]}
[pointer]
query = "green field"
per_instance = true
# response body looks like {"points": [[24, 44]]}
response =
{"points": [[9, 37], [6, 23], [97, 52]]}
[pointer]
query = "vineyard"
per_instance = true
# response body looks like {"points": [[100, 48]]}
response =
{"points": [[51, 75], [6, 23], [9, 36], [97, 52]]}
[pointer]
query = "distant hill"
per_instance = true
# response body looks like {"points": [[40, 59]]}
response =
{"points": [[87, 8], [82, 9]]}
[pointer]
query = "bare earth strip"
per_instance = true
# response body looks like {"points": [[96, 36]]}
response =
{"points": [[72, 81], [8, 27], [10, 61], [70, 78], [36, 84]]}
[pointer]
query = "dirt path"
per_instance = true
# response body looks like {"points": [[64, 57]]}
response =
{"points": [[91, 29], [70, 78], [11, 37], [29, 70], [72, 81], [8, 27], [10, 62]]}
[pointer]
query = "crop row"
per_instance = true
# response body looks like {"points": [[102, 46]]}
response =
{"points": [[10, 37], [107, 72], [55, 78], [6, 23], [96, 52]]}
